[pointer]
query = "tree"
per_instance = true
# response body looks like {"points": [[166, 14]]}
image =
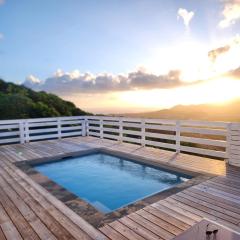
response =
{"points": [[21, 102]]}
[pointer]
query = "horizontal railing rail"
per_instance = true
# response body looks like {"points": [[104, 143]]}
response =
{"points": [[213, 139]]}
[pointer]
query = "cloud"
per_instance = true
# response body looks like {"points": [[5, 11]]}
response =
{"points": [[32, 80], [213, 54], [231, 13], [234, 73], [75, 82], [185, 15], [227, 55]]}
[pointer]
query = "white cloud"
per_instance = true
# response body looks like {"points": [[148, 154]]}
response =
{"points": [[74, 82], [231, 13], [185, 15], [32, 80]]}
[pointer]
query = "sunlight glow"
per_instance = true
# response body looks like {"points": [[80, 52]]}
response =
{"points": [[189, 56], [215, 91]]}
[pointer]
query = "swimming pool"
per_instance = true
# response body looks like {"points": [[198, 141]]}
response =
{"points": [[109, 182]]}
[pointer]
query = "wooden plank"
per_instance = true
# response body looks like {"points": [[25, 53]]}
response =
{"points": [[71, 122], [97, 134], [111, 233], [129, 139], [166, 230], [61, 218], [156, 210], [203, 201], [32, 187], [71, 128], [43, 130], [204, 123], [19, 221], [139, 229], [105, 135], [160, 144], [160, 121], [9, 126], [27, 213], [221, 202], [203, 131], [42, 124], [161, 136], [41, 137], [71, 134], [10, 140], [10, 133], [35, 208], [131, 125], [151, 226], [114, 130], [219, 193], [7, 226], [110, 123], [160, 127], [203, 141], [2, 236], [204, 209], [203, 151], [182, 208], [125, 231], [234, 191], [129, 132], [187, 221]]}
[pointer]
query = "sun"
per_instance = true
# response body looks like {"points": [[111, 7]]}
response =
{"points": [[219, 90]]}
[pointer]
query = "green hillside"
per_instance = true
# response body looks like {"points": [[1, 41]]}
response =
{"points": [[21, 102]]}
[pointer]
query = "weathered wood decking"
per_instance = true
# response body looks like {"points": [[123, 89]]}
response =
{"points": [[27, 211]]}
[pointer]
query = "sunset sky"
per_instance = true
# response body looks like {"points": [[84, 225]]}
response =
{"points": [[123, 55]]}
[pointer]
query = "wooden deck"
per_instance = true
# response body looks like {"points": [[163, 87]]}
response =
{"points": [[27, 211]]}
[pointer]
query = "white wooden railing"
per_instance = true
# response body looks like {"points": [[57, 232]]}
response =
{"points": [[214, 139], [28, 130], [207, 138]]}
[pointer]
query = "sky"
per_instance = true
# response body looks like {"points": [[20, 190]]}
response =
{"points": [[123, 55]]}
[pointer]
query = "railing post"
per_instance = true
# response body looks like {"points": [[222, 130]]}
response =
{"points": [[22, 132], [27, 138], [120, 130], [143, 132], [87, 126], [84, 125], [101, 127], [178, 123], [234, 145], [228, 140], [59, 128]]}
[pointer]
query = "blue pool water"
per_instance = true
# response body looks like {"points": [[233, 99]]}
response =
{"points": [[108, 182]]}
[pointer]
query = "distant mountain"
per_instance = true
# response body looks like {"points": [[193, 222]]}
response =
{"points": [[21, 102], [210, 112]]}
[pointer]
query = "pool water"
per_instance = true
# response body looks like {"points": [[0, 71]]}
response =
{"points": [[108, 182]]}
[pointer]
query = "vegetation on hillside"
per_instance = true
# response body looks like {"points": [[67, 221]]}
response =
{"points": [[18, 102]]}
